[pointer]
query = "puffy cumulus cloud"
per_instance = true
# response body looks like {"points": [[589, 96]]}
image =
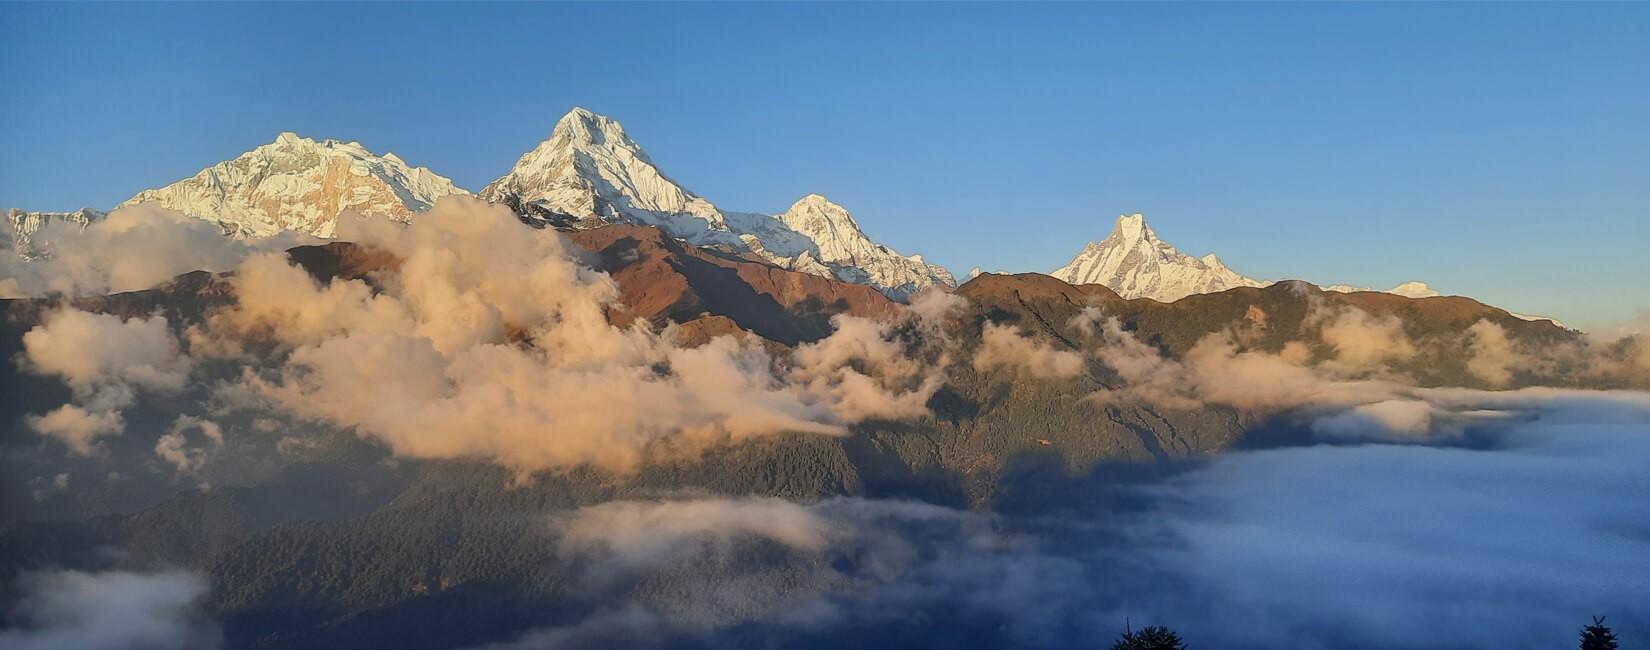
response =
{"points": [[78, 428], [1003, 345], [1614, 356], [1627, 347], [103, 354], [105, 361], [869, 369], [134, 248], [1217, 370], [1088, 320], [1490, 353], [1361, 341], [490, 340], [175, 449], [275, 299], [1146, 374], [116, 610]]}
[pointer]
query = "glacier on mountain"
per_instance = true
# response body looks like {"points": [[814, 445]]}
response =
{"points": [[296, 184], [590, 173]]}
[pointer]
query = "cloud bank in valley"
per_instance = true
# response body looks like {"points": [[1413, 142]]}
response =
{"points": [[1421, 545], [112, 610], [1418, 546]]}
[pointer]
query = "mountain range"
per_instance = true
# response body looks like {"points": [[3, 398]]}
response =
{"points": [[591, 173], [1036, 397]]}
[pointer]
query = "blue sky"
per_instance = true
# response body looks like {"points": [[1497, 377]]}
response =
{"points": [[1500, 151]]}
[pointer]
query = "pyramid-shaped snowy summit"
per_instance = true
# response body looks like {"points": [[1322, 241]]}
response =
{"points": [[1136, 264], [591, 173]]}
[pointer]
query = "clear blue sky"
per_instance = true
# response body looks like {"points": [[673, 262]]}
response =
{"points": [[1495, 150]]}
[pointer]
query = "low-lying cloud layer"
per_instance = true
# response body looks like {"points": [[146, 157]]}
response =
{"points": [[113, 610], [1419, 546], [1424, 545]]}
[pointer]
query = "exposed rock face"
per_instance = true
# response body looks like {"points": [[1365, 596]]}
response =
{"points": [[660, 279]]}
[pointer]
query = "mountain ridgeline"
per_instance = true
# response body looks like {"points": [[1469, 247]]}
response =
{"points": [[590, 173], [820, 442]]}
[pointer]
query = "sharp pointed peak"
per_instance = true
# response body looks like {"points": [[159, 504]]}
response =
{"points": [[582, 114], [1132, 227], [813, 200], [583, 126], [587, 117]]}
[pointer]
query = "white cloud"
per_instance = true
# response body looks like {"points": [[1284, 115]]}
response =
{"points": [[105, 361], [1003, 345], [133, 248], [115, 610]]}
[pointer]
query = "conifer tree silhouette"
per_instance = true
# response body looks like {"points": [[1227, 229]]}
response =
{"points": [[1597, 637], [1149, 638]]}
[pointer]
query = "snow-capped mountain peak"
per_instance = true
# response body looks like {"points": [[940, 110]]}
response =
{"points": [[590, 128], [833, 230], [1414, 290], [296, 184], [1136, 264], [590, 173], [1407, 289], [819, 236]]}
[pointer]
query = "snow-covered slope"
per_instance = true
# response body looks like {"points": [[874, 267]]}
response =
{"points": [[1407, 289], [296, 184], [1413, 290], [1136, 264], [820, 237], [590, 172], [22, 226]]}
